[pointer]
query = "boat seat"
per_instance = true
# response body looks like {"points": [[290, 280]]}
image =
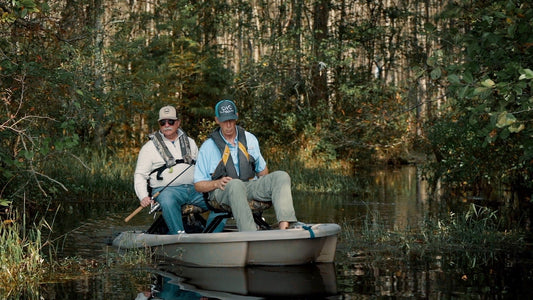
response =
{"points": [[193, 222], [224, 211]]}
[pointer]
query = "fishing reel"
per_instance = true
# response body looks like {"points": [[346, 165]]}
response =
{"points": [[154, 207]]}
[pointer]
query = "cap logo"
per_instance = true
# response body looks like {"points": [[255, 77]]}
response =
{"points": [[228, 109]]}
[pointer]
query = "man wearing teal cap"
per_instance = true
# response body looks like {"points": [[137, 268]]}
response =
{"points": [[232, 170]]}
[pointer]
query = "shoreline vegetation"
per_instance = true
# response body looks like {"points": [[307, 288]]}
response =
{"points": [[476, 230], [28, 257]]}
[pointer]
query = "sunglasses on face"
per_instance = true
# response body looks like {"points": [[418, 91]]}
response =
{"points": [[170, 122]]}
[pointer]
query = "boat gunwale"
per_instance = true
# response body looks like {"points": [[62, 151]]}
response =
{"points": [[319, 230]]}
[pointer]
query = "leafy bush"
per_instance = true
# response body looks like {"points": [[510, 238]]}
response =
{"points": [[483, 135]]}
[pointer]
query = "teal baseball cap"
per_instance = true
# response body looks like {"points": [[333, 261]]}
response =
{"points": [[226, 110]]}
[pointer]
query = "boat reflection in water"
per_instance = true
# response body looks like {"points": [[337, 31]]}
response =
{"points": [[304, 281]]}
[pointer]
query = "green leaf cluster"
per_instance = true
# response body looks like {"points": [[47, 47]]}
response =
{"points": [[484, 135]]}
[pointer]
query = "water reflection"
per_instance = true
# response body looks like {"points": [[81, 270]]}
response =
{"points": [[480, 275], [114, 284], [395, 198], [298, 282]]}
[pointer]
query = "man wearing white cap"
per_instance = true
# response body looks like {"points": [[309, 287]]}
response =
{"points": [[231, 169], [167, 163]]}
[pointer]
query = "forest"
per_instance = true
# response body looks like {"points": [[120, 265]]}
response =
{"points": [[333, 84]]}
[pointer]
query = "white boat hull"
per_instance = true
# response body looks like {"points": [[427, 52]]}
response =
{"points": [[313, 243]]}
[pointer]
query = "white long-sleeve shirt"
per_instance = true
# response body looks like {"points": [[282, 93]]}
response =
{"points": [[149, 159]]}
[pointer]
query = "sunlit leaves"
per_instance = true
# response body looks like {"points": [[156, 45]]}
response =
{"points": [[488, 83], [505, 119], [526, 74], [4, 202], [514, 128], [17, 9]]}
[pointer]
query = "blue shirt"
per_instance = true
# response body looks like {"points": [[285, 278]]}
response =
{"points": [[209, 156]]}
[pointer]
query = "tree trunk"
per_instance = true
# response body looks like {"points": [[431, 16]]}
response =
{"points": [[319, 90]]}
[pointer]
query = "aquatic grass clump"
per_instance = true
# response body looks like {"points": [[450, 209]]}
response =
{"points": [[133, 257], [476, 229], [20, 259], [69, 268]]}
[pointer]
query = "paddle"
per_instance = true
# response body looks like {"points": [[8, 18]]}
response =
{"points": [[138, 210]]}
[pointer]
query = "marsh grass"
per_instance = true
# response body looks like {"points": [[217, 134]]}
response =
{"points": [[326, 178], [77, 267], [105, 175], [131, 257], [20, 258], [93, 175], [23, 267], [476, 231]]}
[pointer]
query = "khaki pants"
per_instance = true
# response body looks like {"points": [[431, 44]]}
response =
{"points": [[275, 187]]}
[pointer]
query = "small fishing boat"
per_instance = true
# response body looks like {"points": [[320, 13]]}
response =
{"points": [[300, 244]]}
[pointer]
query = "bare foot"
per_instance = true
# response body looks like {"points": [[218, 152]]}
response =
{"points": [[283, 225]]}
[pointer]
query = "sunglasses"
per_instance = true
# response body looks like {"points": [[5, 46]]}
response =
{"points": [[170, 122]]}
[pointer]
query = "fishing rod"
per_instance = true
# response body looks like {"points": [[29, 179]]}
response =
{"points": [[155, 206]]}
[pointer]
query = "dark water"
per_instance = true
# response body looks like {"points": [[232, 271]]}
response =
{"points": [[394, 197]]}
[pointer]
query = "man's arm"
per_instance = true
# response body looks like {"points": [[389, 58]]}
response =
{"points": [[263, 173], [255, 152], [211, 185], [141, 175], [142, 172]]}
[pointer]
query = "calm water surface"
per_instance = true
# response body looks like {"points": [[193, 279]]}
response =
{"points": [[395, 198]]}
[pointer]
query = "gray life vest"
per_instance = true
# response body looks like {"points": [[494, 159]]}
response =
{"points": [[226, 166], [170, 161]]}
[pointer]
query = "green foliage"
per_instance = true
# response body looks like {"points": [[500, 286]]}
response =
{"points": [[172, 67], [484, 133], [36, 92], [369, 122], [324, 96], [113, 68], [18, 9], [365, 117], [56, 96]]}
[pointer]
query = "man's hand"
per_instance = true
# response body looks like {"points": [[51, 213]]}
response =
{"points": [[221, 183], [146, 201], [207, 186]]}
